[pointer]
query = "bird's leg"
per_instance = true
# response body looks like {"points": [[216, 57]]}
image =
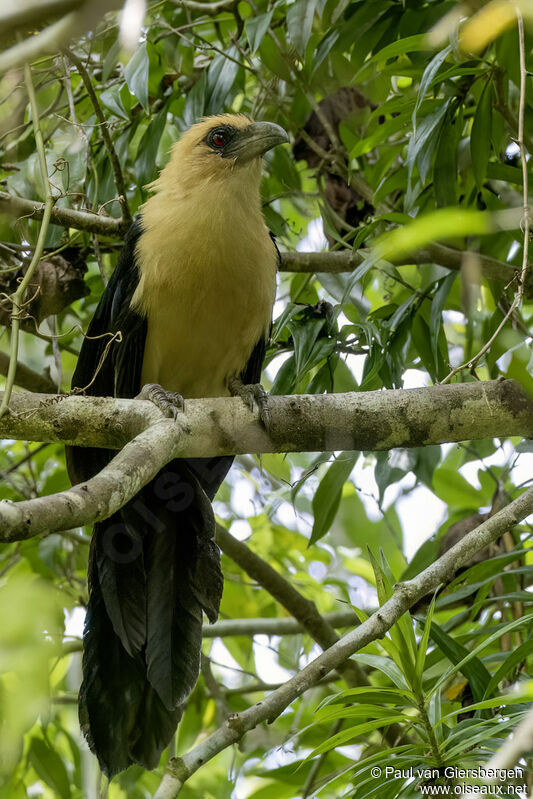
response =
{"points": [[168, 402], [254, 396]]}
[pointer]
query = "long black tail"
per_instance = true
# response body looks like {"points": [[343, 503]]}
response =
{"points": [[154, 568]]}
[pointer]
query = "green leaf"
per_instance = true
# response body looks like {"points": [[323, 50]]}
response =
{"points": [[285, 379], [137, 73], [304, 338], [256, 27], [407, 44], [328, 494], [148, 147], [511, 661], [112, 99], [423, 141], [300, 22], [454, 489], [488, 731], [272, 58], [437, 306], [480, 135], [196, 100], [386, 666], [488, 704], [505, 172], [427, 77], [470, 666], [49, 767], [423, 645], [352, 712], [353, 732], [441, 224], [221, 77], [445, 169], [374, 694]]}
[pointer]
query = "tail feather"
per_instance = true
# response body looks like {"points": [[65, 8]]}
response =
{"points": [[173, 605], [112, 686], [154, 567], [118, 554]]}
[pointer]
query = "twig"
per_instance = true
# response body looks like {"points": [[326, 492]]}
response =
{"points": [[330, 262], [523, 158], [66, 217], [526, 211], [52, 324], [286, 594], [27, 378], [280, 626], [404, 597], [217, 693], [97, 498], [18, 296], [98, 254], [113, 157]]}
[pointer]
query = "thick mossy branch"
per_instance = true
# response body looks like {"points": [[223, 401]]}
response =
{"points": [[371, 420], [374, 420]]}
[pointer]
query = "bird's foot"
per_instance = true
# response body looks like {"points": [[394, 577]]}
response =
{"points": [[169, 403], [254, 397]]}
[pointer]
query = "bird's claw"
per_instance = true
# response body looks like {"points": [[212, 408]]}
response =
{"points": [[254, 397], [169, 403]]}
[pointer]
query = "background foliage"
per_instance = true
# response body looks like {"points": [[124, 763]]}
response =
{"points": [[428, 148]]}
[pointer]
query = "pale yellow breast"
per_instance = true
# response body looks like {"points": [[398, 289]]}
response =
{"points": [[208, 281]]}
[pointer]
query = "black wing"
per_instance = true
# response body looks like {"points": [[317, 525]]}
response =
{"points": [[110, 377], [108, 366]]}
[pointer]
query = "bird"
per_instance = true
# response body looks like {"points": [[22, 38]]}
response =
{"points": [[186, 313]]}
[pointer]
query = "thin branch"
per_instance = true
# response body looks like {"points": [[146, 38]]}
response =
{"points": [[283, 626], [330, 262], [347, 260], [104, 126], [66, 217], [227, 628], [18, 296], [286, 594], [27, 378], [404, 597], [46, 42], [97, 498], [214, 689]]}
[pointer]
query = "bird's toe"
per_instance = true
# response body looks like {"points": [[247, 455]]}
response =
{"points": [[254, 397], [169, 402]]}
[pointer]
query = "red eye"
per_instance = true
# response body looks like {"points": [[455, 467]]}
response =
{"points": [[219, 140]]}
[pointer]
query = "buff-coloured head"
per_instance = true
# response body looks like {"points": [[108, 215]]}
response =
{"points": [[219, 147]]}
